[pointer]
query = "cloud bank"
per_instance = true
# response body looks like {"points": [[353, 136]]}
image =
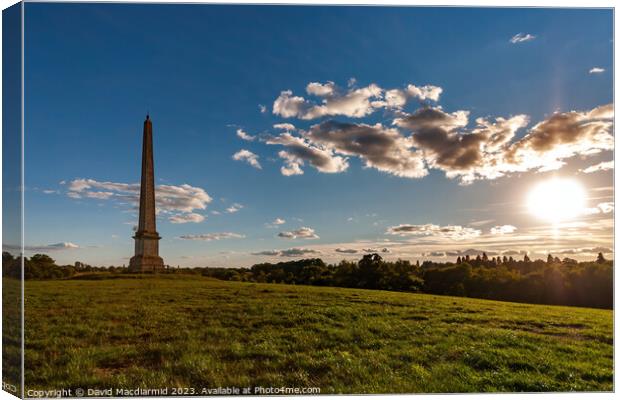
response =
{"points": [[213, 236], [603, 166], [429, 137], [301, 233], [293, 252], [454, 232], [179, 203]]}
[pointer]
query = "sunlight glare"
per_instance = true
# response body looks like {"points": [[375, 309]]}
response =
{"points": [[557, 200]]}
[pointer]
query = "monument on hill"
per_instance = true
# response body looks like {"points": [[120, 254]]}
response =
{"points": [[146, 258]]}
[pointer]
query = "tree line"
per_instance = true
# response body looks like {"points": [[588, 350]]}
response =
{"points": [[554, 281]]}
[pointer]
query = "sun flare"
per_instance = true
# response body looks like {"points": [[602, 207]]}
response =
{"points": [[557, 200]]}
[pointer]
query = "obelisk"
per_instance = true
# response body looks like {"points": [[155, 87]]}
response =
{"points": [[146, 258]]}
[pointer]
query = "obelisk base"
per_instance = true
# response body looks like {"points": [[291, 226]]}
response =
{"points": [[144, 263], [146, 257]]}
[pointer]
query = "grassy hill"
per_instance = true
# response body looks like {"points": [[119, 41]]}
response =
{"points": [[194, 331]]}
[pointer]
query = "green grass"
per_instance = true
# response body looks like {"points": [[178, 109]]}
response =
{"points": [[193, 331]]}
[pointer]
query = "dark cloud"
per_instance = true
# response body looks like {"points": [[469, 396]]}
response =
{"points": [[488, 150], [346, 251], [296, 252], [267, 253], [382, 148]]}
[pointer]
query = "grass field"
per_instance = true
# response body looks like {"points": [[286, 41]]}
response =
{"points": [[195, 332]]}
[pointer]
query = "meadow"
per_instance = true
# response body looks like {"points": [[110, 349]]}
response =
{"points": [[193, 331]]}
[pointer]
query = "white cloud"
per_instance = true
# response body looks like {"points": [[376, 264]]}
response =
{"points": [[596, 70], [168, 198], [601, 208], [603, 166], [98, 195], [426, 92], [262, 108], [185, 218], [63, 245], [503, 229], [213, 236], [292, 165], [353, 102], [44, 248], [454, 232], [395, 98], [275, 223], [234, 208], [301, 233], [294, 252], [298, 151], [285, 127], [481, 222], [244, 135], [247, 156], [522, 37], [373, 250], [321, 89]]}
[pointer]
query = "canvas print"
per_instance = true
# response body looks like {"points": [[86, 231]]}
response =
{"points": [[271, 199]]}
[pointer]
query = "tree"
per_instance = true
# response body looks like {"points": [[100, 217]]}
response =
{"points": [[600, 259], [7, 258], [549, 259], [526, 259], [369, 270], [458, 260]]}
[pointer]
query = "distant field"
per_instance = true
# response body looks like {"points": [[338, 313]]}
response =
{"points": [[196, 332]]}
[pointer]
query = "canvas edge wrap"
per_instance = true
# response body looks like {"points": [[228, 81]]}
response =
{"points": [[12, 200]]}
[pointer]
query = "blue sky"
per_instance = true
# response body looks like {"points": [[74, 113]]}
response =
{"points": [[204, 72]]}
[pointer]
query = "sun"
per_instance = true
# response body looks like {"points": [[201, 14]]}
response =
{"points": [[557, 200]]}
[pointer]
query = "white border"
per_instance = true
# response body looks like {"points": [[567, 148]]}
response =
{"points": [[452, 3]]}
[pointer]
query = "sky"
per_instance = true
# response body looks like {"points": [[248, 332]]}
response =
{"points": [[283, 132]]}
